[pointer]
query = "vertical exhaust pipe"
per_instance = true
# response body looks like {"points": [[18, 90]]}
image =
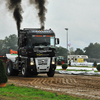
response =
{"points": [[18, 41]]}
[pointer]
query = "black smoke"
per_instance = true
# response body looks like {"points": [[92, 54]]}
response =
{"points": [[15, 7], [40, 5]]}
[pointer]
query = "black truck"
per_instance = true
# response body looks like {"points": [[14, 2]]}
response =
{"points": [[36, 53]]}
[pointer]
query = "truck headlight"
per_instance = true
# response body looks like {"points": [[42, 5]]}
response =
{"points": [[53, 62], [31, 63]]}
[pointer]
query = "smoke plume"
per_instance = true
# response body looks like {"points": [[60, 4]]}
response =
{"points": [[40, 5], [15, 7]]}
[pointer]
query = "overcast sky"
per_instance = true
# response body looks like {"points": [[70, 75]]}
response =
{"points": [[81, 17]]}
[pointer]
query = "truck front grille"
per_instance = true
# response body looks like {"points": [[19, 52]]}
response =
{"points": [[42, 61], [42, 64]]}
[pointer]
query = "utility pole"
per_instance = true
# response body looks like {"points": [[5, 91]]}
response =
{"points": [[67, 42]]}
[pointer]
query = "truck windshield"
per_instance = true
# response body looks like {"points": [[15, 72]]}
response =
{"points": [[41, 41]]}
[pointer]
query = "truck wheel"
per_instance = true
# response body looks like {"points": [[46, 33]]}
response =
{"points": [[51, 73], [9, 69], [24, 71]]}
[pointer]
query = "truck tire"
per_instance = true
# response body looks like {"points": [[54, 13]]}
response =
{"points": [[25, 73], [9, 69], [51, 73]]}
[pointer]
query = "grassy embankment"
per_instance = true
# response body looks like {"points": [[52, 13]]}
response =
{"points": [[12, 92]]}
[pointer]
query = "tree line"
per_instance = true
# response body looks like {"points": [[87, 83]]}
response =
{"points": [[93, 51], [10, 42]]}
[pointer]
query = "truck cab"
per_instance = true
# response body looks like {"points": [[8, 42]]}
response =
{"points": [[36, 52]]}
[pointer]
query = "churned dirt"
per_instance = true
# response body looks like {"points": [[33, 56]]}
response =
{"points": [[74, 85]]}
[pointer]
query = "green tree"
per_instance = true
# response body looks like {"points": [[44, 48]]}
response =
{"points": [[60, 51], [71, 51], [1, 46], [3, 76], [93, 50], [8, 43], [78, 51]]}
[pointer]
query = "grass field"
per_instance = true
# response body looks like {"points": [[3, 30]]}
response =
{"points": [[12, 92]]}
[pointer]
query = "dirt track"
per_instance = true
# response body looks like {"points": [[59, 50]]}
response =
{"points": [[76, 85]]}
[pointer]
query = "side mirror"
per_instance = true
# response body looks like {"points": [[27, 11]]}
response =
{"points": [[57, 41]]}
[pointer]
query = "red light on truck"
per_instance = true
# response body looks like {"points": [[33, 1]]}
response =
{"points": [[38, 36], [49, 35]]}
